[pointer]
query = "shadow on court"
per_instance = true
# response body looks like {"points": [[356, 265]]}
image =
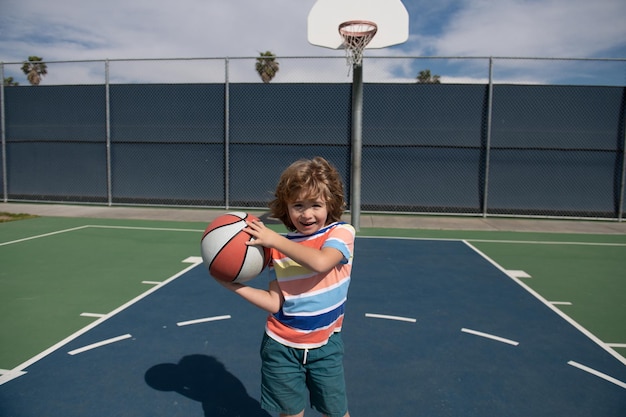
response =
{"points": [[204, 379], [413, 348]]}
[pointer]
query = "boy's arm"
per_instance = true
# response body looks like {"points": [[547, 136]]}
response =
{"points": [[270, 300], [314, 259]]}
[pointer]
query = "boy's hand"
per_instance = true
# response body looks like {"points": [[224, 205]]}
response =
{"points": [[261, 234], [317, 260]]}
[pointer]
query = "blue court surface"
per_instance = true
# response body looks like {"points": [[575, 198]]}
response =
{"points": [[432, 328]]}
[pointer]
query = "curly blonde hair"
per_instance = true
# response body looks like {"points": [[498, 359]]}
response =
{"points": [[309, 178]]}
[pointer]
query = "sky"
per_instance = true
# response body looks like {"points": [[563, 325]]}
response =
{"points": [[70, 30]]}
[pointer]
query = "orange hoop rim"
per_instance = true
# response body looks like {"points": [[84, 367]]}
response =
{"points": [[344, 32]]}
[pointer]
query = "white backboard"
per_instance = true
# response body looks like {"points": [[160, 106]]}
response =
{"points": [[390, 16]]}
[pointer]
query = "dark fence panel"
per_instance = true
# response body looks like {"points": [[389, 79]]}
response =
{"points": [[167, 144], [168, 173], [55, 113], [422, 147], [57, 171], [54, 148], [556, 150], [273, 125], [175, 113]]}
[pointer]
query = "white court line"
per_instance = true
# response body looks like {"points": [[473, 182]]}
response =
{"points": [[518, 274], [44, 235], [617, 345], [9, 374], [97, 226], [560, 303], [533, 242], [6, 371], [490, 336], [151, 282], [204, 320], [193, 260], [386, 317], [98, 315], [539, 242], [99, 344], [598, 374], [158, 229]]}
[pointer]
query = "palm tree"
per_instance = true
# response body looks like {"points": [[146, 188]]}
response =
{"points": [[34, 69], [267, 66], [8, 81], [424, 77]]}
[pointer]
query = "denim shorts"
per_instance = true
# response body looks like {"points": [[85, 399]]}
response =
{"points": [[290, 375]]}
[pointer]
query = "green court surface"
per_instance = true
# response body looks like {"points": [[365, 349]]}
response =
{"points": [[54, 270]]}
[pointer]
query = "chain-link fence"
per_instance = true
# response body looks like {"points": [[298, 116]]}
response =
{"points": [[497, 136]]}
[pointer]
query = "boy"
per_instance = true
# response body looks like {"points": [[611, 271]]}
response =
{"points": [[302, 348]]}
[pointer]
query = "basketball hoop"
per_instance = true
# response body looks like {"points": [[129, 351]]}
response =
{"points": [[356, 35]]}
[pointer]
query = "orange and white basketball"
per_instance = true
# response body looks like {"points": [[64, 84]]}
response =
{"points": [[225, 253]]}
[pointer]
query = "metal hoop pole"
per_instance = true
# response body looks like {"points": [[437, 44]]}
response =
{"points": [[357, 145], [488, 140], [226, 134]]}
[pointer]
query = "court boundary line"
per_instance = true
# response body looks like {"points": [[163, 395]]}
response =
{"points": [[19, 370], [99, 344], [535, 242], [157, 229], [539, 242], [564, 316], [389, 317], [10, 374], [203, 320], [98, 226], [73, 229], [598, 374], [490, 336]]}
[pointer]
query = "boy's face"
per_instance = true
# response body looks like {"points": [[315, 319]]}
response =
{"points": [[308, 214]]}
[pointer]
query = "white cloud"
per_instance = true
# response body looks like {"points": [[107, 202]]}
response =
{"points": [[94, 29], [545, 28]]}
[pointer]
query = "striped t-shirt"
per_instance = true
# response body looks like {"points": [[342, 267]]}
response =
{"points": [[314, 302]]}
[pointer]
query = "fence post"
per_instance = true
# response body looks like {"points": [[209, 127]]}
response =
{"points": [[488, 139], [622, 185], [5, 187], [108, 133], [226, 135]]}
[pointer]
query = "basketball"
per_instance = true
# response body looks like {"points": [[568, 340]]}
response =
{"points": [[225, 253]]}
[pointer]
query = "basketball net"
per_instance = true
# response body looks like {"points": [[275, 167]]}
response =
{"points": [[356, 35]]}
